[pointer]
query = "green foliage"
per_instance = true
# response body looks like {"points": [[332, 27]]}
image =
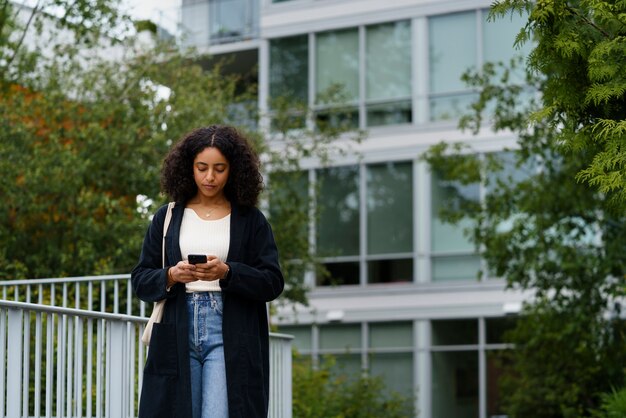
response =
{"points": [[327, 393], [561, 360], [83, 137], [580, 48], [613, 405], [552, 236]]}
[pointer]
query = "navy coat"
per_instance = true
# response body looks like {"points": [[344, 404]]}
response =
{"points": [[254, 279]]}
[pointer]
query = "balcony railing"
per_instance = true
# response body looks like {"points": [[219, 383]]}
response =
{"points": [[65, 356]]}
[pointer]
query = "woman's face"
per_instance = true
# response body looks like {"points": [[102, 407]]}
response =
{"points": [[210, 171]]}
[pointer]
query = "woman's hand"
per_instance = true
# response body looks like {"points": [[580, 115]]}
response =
{"points": [[213, 269], [180, 273]]}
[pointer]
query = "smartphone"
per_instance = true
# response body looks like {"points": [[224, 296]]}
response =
{"points": [[196, 258]]}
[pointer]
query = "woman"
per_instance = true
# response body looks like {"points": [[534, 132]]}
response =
{"points": [[209, 356]]}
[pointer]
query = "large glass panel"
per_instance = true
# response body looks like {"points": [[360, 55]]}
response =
{"points": [[395, 113], [302, 336], [452, 50], [452, 47], [289, 199], [289, 68], [450, 195], [497, 327], [494, 374], [339, 273], [455, 267], [388, 73], [194, 19], [396, 371], [388, 61], [451, 106], [390, 271], [337, 62], [454, 332], [499, 38], [344, 366], [232, 19], [390, 208], [391, 335], [338, 205], [455, 384], [340, 337]]}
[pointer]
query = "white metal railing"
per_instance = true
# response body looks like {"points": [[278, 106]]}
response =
{"points": [[64, 362], [58, 361], [107, 293]]}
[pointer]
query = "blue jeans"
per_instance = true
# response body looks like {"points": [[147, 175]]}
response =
{"points": [[206, 355]]}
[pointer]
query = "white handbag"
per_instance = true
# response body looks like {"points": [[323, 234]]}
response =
{"points": [[157, 309]]}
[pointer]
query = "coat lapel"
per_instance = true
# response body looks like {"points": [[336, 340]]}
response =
{"points": [[237, 228]]}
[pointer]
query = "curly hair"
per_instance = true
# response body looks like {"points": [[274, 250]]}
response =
{"points": [[245, 182]]}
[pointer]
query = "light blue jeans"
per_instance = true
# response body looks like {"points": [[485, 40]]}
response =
{"points": [[206, 355]]}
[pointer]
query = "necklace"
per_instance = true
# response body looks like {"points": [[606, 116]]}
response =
{"points": [[208, 214]]}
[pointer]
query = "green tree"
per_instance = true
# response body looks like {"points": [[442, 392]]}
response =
{"points": [[579, 48], [83, 137], [551, 236]]}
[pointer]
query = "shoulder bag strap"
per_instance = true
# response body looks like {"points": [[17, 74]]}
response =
{"points": [[166, 225]]}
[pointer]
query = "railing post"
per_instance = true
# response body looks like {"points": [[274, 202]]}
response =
{"points": [[115, 369], [14, 363]]}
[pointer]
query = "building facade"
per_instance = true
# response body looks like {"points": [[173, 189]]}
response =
{"points": [[408, 297]]}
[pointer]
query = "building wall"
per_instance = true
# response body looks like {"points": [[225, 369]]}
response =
{"points": [[409, 298]]}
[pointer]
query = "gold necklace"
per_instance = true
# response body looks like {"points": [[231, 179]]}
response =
{"points": [[208, 214]]}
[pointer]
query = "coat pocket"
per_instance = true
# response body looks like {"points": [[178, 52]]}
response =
{"points": [[163, 354]]}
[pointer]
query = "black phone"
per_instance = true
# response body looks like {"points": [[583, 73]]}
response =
{"points": [[196, 258]]}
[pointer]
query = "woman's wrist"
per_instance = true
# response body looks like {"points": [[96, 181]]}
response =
{"points": [[225, 275], [170, 277]]}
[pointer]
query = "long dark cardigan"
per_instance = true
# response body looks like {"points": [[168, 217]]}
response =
{"points": [[254, 279]]}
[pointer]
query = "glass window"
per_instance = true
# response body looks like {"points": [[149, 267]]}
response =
{"points": [[497, 327], [499, 39], [494, 374], [337, 62], [391, 335], [454, 332], [289, 68], [396, 371], [231, 19], [340, 337], [455, 384], [289, 199], [345, 366], [450, 238], [450, 195], [338, 205], [390, 208], [395, 113], [455, 267], [339, 273], [452, 50], [301, 334], [388, 73], [390, 271], [194, 22]]}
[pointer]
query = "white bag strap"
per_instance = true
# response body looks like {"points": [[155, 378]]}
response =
{"points": [[166, 225]]}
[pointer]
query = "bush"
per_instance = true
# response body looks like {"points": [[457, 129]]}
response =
{"points": [[326, 392]]}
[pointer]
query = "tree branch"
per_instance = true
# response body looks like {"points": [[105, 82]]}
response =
{"points": [[589, 22], [21, 41]]}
